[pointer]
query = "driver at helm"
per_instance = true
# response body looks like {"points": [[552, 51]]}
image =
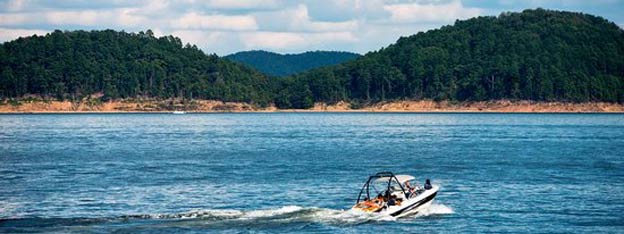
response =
{"points": [[410, 189], [408, 186]]}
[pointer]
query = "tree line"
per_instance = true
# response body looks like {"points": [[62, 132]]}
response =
{"points": [[539, 55], [72, 64]]}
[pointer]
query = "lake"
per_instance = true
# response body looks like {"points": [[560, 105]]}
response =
{"points": [[301, 172]]}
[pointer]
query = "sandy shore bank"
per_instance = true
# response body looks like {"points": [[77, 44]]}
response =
{"points": [[126, 106]]}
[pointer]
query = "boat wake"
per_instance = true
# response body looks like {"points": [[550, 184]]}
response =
{"points": [[286, 214], [229, 218], [436, 209], [290, 214]]}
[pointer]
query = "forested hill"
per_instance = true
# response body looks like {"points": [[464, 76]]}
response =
{"points": [[119, 64], [538, 55], [534, 55], [287, 64]]}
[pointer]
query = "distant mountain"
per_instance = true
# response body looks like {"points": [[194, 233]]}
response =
{"points": [[287, 64], [539, 55]]}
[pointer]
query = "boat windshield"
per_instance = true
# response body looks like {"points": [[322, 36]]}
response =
{"points": [[378, 188], [381, 186]]}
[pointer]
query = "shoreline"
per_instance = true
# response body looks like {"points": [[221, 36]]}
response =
{"points": [[291, 112], [211, 106]]}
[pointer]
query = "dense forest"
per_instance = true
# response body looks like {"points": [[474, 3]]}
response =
{"points": [[70, 65], [540, 55], [275, 64]]}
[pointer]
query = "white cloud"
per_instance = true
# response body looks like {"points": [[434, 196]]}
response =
{"points": [[11, 19], [344, 10], [227, 26], [155, 9], [89, 18], [10, 34], [415, 12], [297, 19], [538, 3], [272, 40], [15, 5], [243, 4], [223, 22], [120, 17], [198, 37], [287, 41]]}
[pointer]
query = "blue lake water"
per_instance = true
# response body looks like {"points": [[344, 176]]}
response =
{"points": [[300, 172]]}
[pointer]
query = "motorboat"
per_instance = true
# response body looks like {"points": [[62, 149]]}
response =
{"points": [[178, 112], [394, 195]]}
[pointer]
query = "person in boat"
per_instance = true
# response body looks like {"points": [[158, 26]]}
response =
{"points": [[393, 201], [428, 184], [410, 189], [379, 200], [408, 186], [370, 204]]}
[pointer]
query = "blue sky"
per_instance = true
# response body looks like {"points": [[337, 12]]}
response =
{"points": [[227, 26]]}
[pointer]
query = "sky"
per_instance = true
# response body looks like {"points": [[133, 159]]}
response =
{"points": [[283, 26]]}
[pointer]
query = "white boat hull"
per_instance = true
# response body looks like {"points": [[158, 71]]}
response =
{"points": [[413, 205]]}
